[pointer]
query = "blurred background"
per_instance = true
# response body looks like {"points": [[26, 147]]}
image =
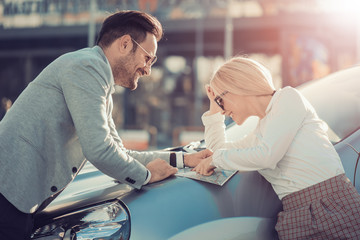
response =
{"points": [[298, 41]]}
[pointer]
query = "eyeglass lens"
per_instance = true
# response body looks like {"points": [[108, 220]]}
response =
{"points": [[152, 59]]}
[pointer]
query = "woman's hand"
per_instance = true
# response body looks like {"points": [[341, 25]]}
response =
{"points": [[214, 108], [205, 167], [193, 159]]}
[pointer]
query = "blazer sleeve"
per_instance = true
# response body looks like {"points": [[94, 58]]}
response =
{"points": [[86, 89], [143, 157]]}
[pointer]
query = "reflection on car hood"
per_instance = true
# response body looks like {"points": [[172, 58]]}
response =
{"points": [[89, 187]]}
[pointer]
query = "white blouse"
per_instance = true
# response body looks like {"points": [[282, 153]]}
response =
{"points": [[289, 146]]}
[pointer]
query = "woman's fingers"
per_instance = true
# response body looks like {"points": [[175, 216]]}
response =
{"points": [[204, 167], [209, 92]]}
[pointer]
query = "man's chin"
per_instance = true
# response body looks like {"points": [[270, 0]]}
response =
{"points": [[134, 85]]}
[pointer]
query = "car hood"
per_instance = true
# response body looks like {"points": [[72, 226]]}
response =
{"points": [[89, 187]]}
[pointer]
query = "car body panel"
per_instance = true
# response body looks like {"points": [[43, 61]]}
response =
{"points": [[191, 202], [336, 99], [348, 150], [88, 188], [239, 228]]}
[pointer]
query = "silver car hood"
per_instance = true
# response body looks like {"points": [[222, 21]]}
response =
{"points": [[89, 187]]}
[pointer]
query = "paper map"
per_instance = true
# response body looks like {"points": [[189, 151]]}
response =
{"points": [[219, 177]]}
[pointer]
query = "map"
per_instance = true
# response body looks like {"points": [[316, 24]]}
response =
{"points": [[219, 177]]}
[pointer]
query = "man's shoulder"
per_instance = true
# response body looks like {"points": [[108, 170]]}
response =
{"points": [[91, 55], [86, 59]]}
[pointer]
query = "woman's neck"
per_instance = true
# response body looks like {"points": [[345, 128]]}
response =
{"points": [[261, 104]]}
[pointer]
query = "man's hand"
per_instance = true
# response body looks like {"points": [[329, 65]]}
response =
{"points": [[205, 167], [193, 159], [160, 170]]}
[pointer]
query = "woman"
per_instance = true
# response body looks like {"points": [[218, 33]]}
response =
{"points": [[289, 147]]}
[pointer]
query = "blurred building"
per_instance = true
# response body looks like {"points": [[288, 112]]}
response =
{"points": [[297, 40]]}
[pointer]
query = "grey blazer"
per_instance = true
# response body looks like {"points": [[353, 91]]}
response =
{"points": [[61, 119]]}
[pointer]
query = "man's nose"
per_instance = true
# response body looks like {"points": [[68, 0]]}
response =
{"points": [[147, 70]]}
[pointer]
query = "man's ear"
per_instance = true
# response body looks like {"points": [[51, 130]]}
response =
{"points": [[125, 44]]}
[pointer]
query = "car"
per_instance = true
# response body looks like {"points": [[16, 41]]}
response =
{"points": [[95, 206]]}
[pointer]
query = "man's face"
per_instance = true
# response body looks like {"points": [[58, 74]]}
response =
{"points": [[129, 68]]}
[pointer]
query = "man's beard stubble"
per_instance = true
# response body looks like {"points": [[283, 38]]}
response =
{"points": [[123, 75]]}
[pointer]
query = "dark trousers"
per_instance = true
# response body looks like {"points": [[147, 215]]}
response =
{"points": [[14, 224]]}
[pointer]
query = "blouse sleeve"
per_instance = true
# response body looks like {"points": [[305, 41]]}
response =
{"points": [[215, 136]]}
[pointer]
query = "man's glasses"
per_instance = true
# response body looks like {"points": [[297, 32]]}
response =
{"points": [[150, 59], [219, 101]]}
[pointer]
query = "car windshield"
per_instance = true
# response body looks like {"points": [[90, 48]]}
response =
{"points": [[336, 99]]}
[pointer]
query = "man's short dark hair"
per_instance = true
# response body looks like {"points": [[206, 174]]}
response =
{"points": [[134, 23]]}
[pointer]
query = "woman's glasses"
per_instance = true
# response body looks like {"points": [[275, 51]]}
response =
{"points": [[219, 101]]}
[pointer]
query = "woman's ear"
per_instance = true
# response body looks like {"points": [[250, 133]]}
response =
{"points": [[209, 90]]}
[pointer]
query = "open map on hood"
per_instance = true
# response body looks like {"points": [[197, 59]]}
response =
{"points": [[219, 177]]}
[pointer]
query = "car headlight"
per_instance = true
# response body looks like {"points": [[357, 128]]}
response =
{"points": [[106, 221]]}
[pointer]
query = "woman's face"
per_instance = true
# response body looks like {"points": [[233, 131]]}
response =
{"points": [[239, 108]]}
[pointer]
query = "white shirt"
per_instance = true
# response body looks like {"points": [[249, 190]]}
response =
{"points": [[289, 146]]}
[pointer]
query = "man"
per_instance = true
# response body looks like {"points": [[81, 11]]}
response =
{"points": [[64, 117]]}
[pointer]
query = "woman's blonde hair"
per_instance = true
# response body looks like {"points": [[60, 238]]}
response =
{"points": [[242, 76]]}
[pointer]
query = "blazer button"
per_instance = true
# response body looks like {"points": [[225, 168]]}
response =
{"points": [[74, 170], [53, 189], [130, 180]]}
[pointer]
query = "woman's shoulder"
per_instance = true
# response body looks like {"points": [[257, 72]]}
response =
{"points": [[289, 91], [289, 95]]}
